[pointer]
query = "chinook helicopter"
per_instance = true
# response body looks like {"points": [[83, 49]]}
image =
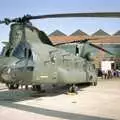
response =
{"points": [[30, 58]]}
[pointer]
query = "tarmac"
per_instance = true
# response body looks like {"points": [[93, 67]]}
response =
{"points": [[101, 102]]}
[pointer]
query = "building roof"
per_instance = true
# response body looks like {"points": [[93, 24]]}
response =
{"points": [[57, 33], [93, 39], [79, 32], [98, 37], [100, 32], [117, 33]]}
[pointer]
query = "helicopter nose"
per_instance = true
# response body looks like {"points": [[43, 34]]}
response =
{"points": [[7, 65], [7, 74]]}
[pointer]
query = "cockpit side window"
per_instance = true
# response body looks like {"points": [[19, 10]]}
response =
{"points": [[7, 52], [28, 53], [19, 51], [23, 50]]}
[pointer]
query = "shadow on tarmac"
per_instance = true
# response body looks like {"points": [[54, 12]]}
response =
{"points": [[8, 99], [52, 113], [22, 94]]}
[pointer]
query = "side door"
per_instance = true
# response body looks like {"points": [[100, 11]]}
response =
{"points": [[91, 72], [24, 73]]}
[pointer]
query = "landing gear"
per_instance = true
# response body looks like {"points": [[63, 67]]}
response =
{"points": [[72, 89], [26, 87], [12, 86], [94, 83], [37, 88]]}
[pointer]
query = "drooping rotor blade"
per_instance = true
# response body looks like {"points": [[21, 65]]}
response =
{"points": [[5, 43], [76, 41], [96, 14], [6, 21], [100, 48], [1, 22]]}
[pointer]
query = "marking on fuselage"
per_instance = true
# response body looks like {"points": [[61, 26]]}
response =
{"points": [[43, 76]]}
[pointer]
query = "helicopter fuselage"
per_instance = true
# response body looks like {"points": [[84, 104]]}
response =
{"points": [[35, 62]]}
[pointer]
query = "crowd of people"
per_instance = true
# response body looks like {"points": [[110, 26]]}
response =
{"points": [[108, 74]]}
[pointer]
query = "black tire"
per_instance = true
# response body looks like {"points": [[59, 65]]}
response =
{"points": [[12, 86], [36, 88], [94, 83], [72, 89]]}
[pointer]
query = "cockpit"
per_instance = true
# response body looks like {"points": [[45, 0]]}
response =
{"points": [[23, 50]]}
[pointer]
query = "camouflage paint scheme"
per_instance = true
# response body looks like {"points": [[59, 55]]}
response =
{"points": [[41, 63]]}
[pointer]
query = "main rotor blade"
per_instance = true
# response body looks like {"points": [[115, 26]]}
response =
{"points": [[100, 48], [26, 18], [76, 41], [5, 43], [96, 14], [1, 22], [84, 41]]}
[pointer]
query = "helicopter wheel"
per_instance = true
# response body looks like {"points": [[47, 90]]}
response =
{"points": [[94, 83], [73, 89], [36, 87], [12, 86]]}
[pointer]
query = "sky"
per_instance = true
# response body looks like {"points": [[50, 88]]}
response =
{"points": [[18, 8]]}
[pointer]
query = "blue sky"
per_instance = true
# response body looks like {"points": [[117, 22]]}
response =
{"points": [[15, 8]]}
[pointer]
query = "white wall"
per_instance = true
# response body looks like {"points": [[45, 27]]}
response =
{"points": [[106, 65]]}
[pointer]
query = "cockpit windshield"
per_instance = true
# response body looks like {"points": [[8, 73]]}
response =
{"points": [[23, 51]]}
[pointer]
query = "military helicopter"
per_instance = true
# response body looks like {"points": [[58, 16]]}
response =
{"points": [[30, 58]]}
